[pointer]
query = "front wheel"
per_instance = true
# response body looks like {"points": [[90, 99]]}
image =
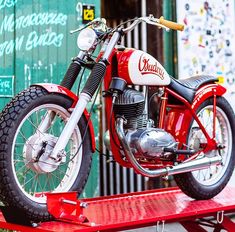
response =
{"points": [[206, 183], [27, 173]]}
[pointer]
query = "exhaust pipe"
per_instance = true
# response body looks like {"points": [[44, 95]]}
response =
{"points": [[180, 168]]}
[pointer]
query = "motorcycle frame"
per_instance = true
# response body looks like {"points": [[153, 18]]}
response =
{"points": [[176, 121]]}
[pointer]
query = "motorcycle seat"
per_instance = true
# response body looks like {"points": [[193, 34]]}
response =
{"points": [[188, 87]]}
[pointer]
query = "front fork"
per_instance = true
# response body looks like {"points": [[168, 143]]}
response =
{"points": [[69, 127], [92, 84], [65, 135], [67, 82], [88, 91]]}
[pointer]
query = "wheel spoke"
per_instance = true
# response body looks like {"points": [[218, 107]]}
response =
{"points": [[45, 181], [51, 128], [21, 168], [62, 172], [28, 181], [39, 184], [25, 139], [212, 173], [34, 186], [59, 178], [35, 127]]}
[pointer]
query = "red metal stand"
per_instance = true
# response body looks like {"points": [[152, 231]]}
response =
{"points": [[134, 210]]}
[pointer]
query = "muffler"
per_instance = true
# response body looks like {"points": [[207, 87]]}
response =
{"points": [[189, 166]]}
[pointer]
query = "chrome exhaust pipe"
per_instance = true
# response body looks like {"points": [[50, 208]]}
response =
{"points": [[180, 168]]}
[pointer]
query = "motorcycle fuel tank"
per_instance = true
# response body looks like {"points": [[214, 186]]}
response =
{"points": [[140, 68]]}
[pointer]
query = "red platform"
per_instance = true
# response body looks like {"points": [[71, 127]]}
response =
{"points": [[136, 210]]}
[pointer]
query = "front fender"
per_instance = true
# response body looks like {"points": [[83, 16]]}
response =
{"points": [[54, 88]]}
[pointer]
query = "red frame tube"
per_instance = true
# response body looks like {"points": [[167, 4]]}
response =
{"points": [[214, 113], [211, 144], [163, 110]]}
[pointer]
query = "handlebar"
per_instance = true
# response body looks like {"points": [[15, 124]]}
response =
{"points": [[161, 22], [100, 23], [171, 25]]}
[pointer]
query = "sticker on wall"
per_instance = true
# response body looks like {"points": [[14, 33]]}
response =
{"points": [[207, 44], [88, 13]]}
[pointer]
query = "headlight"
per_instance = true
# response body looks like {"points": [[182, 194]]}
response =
{"points": [[86, 39]]}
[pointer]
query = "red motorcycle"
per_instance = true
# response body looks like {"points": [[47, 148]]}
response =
{"points": [[47, 138]]}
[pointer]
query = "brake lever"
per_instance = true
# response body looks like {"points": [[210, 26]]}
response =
{"points": [[100, 22], [154, 21], [78, 29], [159, 25]]}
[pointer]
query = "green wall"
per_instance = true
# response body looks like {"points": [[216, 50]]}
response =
{"points": [[170, 39], [35, 46]]}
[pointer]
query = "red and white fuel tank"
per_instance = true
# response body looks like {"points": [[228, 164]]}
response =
{"points": [[140, 68]]}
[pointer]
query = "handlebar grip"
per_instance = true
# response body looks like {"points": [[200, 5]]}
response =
{"points": [[171, 25]]}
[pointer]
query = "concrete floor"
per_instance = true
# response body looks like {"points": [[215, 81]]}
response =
{"points": [[176, 227]]}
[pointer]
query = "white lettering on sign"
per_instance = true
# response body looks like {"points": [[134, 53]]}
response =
{"points": [[34, 40], [79, 11], [5, 84], [7, 3], [8, 23], [8, 47]]}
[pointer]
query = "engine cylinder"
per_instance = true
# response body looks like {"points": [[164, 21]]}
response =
{"points": [[129, 104]]}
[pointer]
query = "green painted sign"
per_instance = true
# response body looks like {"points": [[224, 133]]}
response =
{"points": [[6, 86]]}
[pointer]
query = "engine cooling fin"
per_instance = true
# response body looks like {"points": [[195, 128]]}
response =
{"points": [[129, 104]]}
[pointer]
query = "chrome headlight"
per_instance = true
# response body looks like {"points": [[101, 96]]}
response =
{"points": [[86, 39]]}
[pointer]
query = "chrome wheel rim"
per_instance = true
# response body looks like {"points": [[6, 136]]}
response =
{"points": [[35, 184], [213, 174]]}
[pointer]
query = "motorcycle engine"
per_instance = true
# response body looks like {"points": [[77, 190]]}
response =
{"points": [[143, 138]]}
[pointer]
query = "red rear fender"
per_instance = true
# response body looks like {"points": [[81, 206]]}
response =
{"points": [[207, 91], [178, 120], [53, 88]]}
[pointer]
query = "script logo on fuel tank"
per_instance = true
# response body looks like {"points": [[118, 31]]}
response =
{"points": [[146, 67]]}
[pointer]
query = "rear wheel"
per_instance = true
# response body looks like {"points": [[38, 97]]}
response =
{"points": [[27, 172], [206, 183]]}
